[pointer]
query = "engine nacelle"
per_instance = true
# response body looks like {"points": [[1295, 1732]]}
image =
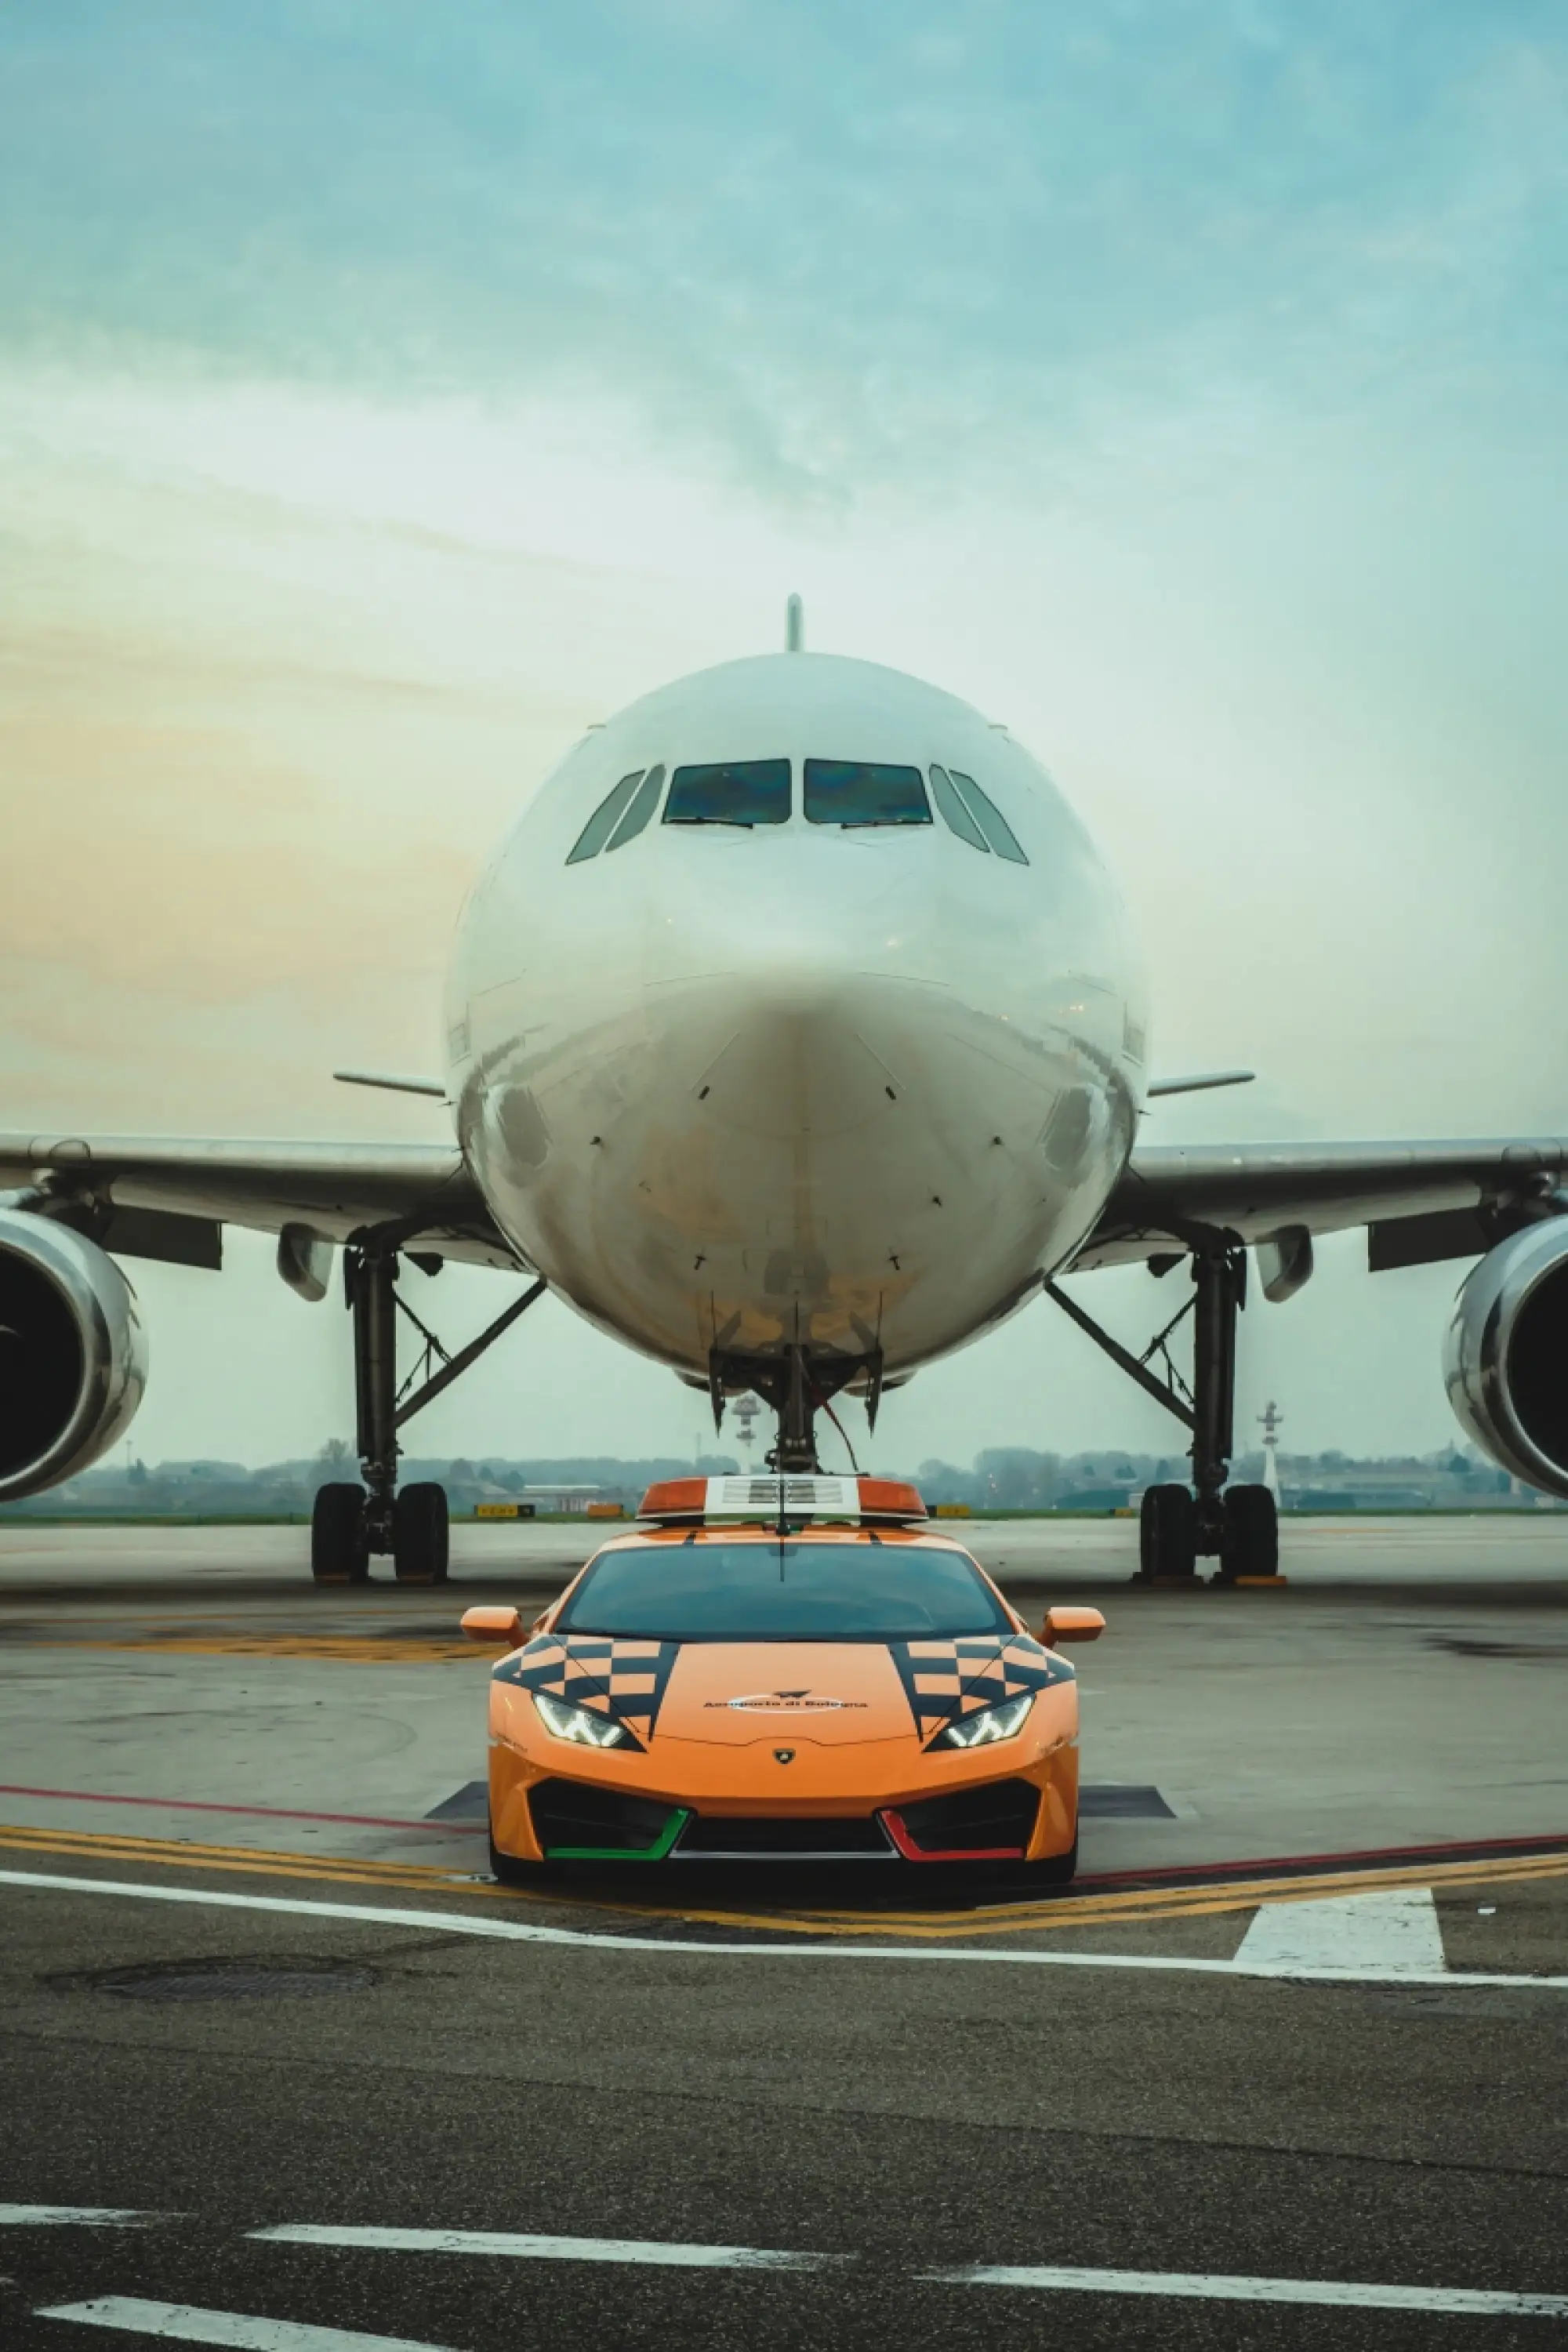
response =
{"points": [[73, 1359], [1506, 1357]]}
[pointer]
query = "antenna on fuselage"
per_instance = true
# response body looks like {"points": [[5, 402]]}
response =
{"points": [[794, 626]]}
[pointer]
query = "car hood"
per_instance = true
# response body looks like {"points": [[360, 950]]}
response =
{"points": [[833, 1694], [740, 1693]]}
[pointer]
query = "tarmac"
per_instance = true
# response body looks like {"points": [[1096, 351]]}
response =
{"points": [[284, 2067]]}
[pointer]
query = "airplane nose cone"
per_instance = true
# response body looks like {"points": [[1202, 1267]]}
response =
{"points": [[797, 1010]]}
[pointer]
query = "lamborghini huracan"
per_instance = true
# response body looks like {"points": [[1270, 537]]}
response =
{"points": [[782, 1670]]}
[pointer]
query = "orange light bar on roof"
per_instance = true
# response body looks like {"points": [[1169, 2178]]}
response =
{"points": [[771, 1499]]}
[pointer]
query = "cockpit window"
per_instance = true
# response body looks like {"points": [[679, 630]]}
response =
{"points": [[990, 819], [603, 822], [644, 803], [955, 816], [851, 792], [739, 791]]}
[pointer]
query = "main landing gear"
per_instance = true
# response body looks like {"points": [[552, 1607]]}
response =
{"points": [[1179, 1525], [350, 1522]]}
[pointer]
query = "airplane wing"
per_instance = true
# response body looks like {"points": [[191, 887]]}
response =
{"points": [[1420, 1202], [167, 1198]]}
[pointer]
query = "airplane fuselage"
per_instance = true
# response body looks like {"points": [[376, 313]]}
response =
{"points": [[744, 1079]]}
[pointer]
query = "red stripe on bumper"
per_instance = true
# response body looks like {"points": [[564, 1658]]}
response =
{"points": [[894, 1828]]}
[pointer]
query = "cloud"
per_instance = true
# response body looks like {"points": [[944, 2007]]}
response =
{"points": [[830, 249]]}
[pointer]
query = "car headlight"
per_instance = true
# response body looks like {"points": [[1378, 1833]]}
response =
{"points": [[578, 1724], [1002, 1722]]}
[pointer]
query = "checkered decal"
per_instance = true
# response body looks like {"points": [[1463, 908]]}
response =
{"points": [[622, 1679], [945, 1680]]}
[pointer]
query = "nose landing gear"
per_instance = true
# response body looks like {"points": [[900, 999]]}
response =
{"points": [[798, 1382]]}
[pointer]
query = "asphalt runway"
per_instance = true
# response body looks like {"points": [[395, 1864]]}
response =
{"points": [[1284, 2068]]}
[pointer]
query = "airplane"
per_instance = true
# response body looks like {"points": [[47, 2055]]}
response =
{"points": [[795, 1037]]}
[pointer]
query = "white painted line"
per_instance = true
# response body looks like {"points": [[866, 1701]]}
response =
{"points": [[92, 2217], [1389, 1932], [237, 2328], [516, 1931], [550, 2249], [1218, 2289]]}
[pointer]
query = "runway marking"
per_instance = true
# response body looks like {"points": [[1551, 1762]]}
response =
{"points": [[1393, 1930], [580, 1940], [191, 2324], [545, 2249], [92, 2217], [1035, 1917], [1216, 2288]]}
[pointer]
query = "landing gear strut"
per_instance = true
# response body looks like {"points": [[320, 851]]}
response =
{"points": [[796, 1382], [1179, 1525], [349, 1524]]}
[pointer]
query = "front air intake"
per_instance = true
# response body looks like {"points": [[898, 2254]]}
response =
{"points": [[574, 1821], [770, 1837], [993, 1823]]}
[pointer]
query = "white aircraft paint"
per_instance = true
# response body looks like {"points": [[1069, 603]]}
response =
{"points": [[1392, 1932], [796, 1082]]}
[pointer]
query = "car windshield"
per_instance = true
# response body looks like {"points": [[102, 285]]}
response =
{"points": [[738, 791], [783, 1592], [851, 792]]}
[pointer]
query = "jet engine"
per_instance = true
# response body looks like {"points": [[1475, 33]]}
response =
{"points": [[73, 1360], [1506, 1356]]}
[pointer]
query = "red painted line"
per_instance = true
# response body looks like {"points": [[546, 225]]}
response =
{"points": [[1284, 1865], [259, 1812]]}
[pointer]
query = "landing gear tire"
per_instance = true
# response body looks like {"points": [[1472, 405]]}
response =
{"points": [[1251, 1541], [339, 1552], [1167, 1533], [419, 1534]]}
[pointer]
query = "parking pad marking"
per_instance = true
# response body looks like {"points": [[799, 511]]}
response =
{"points": [[1393, 1929], [244, 2330], [582, 1939], [1344, 2294], [530, 2248]]}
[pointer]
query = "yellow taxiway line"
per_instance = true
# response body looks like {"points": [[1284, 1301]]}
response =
{"points": [[351, 1649], [1061, 1912]]}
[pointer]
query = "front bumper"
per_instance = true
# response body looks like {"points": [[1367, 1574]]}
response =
{"points": [[560, 1820]]}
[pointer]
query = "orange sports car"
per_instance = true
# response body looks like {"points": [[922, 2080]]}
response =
{"points": [[826, 1680]]}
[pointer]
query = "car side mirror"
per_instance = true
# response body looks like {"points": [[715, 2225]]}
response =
{"points": [[1065, 1625], [496, 1625]]}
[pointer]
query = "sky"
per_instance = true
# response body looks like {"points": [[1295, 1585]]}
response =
{"points": [[387, 391]]}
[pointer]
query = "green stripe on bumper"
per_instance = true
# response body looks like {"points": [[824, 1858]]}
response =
{"points": [[655, 1853]]}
